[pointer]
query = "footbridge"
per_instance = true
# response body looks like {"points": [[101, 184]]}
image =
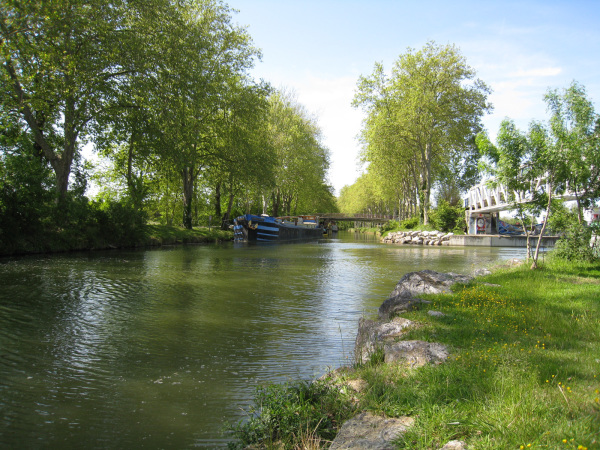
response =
{"points": [[485, 200], [375, 218]]}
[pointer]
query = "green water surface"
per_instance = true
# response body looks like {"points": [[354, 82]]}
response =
{"points": [[158, 348]]}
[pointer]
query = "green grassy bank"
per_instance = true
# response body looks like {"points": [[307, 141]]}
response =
{"points": [[57, 241], [524, 372]]}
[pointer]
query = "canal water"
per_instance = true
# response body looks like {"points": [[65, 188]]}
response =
{"points": [[159, 348]]}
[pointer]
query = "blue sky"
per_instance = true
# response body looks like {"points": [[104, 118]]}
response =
{"points": [[318, 49]]}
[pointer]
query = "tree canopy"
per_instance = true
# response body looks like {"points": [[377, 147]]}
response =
{"points": [[162, 91], [421, 117]]}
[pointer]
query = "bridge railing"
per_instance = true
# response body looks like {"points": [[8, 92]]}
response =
{"points": [[357, 217], [484, 198]]}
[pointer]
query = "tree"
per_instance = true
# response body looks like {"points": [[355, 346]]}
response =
{"points": [[63, 60], [575, 127], [529, 167], [549, 161], [247, 158], [204, 54], [429, 109], [302, 161]]}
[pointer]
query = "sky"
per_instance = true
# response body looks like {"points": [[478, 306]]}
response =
{"points": [[318, 49]]}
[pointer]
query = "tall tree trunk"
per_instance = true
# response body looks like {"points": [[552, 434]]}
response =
{"points": [[276, 202], [264, 205], [218, 200], [188, 195], [61, 164], [426, 183], [227, 215]]}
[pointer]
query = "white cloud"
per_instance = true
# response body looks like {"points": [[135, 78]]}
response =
{"points": [[537, 72]]}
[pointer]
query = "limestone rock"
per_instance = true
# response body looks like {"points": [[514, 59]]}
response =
{"points": [[372, 335], [398, 305], [427, 282], [481, 272], [403, 297], [454, 445], [415, 353], [370, 432]]}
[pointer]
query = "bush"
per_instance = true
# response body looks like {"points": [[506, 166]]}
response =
{"points": [[448, 218], [118, 223], [390, 225], [284, 411], [562, 218], [409, 224], [575, 245]]}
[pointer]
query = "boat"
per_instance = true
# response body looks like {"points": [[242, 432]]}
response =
{"points": [[252, 228]]}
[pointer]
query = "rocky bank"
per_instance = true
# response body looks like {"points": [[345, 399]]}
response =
{"points": [[383, 339], [418, 238]]}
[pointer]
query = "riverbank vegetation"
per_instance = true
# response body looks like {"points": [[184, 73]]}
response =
{"points": [[419, 132], [523, 371], [423, 138], [160, 93]]}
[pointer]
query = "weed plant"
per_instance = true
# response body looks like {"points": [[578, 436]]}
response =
{"points": [[293, 415]]}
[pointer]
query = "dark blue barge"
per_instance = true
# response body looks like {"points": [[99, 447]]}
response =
{"points": [[251, 228]]}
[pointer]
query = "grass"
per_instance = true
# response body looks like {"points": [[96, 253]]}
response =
{"points": [[168, 235], [146, 236], [524, 368]]}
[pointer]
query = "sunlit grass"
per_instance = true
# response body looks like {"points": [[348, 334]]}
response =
{"points": [[524, 371]]}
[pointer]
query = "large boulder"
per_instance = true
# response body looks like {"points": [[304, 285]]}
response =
{"points": [[372, 335], [404, 297], [398, 305], [370, 432], [415, 353]]}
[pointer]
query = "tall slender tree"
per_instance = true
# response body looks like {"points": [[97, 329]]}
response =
{"points": [[427, 111]]}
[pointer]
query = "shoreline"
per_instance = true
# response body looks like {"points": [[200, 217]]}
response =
{"points": [[513, 347], [151, 236]]}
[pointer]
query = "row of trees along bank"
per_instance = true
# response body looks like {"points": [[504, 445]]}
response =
{"points": [[423, 133], [161, 90], [419, 132]]}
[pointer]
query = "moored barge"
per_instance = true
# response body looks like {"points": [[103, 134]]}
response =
{"points": [[251, 228]]}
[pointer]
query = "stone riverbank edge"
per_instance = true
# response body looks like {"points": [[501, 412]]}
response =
{"points": [[384, 337], [436, 238]]}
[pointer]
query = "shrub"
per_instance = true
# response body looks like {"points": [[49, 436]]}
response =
{"points": [[562, 218], [448, 218], [284, 410], [390, 225], [575, 245], [409, 224]]}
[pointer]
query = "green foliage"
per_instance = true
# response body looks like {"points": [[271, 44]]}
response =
{"points": [[448, 218], [409, 224], [390, 225], [301, 159], [562, 218], [575, 245], [420, 119], [574, 125], [26, 199], [281, 411], [117, 223]]}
